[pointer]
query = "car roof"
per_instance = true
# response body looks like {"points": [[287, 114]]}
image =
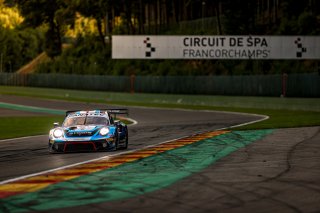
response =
{"points": [[97, 113]]}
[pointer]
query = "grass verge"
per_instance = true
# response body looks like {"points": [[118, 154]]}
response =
{"points": [[167, 100], [13, 127], [283, 112]]}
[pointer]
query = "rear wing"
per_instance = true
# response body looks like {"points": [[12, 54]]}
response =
{"points": [[116, 112], [121, 111], [71, 111]]}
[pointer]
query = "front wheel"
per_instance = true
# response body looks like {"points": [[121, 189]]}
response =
{"points": [[51, 150]]}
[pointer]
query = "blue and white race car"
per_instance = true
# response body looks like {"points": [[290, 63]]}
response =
{"points": [[92, 130]]}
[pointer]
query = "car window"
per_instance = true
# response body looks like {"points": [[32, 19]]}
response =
{"points": [[74, 121], [89, 120], [96, 120]]}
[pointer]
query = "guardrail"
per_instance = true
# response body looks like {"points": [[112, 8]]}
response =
{"points": [[292, 85]]}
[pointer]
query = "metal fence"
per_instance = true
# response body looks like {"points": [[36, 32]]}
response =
{"points": [[292, 85], [210, 85], [66, 81]]}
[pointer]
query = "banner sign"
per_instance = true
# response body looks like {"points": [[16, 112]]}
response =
{"points": [[215, 47]]}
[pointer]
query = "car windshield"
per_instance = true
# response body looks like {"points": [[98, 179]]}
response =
{"points": [[85, 120]]}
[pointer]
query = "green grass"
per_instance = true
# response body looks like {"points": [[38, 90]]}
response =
{"points": [[181, 101], [12, 127], [283, 119], [283, 112]]}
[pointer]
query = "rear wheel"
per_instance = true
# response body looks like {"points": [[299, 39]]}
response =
{"points": [[126, 143], [116, 143]]}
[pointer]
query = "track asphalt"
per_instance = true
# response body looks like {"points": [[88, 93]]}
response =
{"points": [[246, 171]]}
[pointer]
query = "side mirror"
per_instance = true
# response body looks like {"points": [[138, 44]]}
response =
{"points": [[56, 124]]}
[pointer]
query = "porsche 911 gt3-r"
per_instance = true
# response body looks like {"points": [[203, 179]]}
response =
{"points": [[92, 130]]}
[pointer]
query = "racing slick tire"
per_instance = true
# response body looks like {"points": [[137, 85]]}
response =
{"points": [[126, 143], [51, 150], [116, 143]]}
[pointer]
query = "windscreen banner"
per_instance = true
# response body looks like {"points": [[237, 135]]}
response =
{"points": [[215, 47]]}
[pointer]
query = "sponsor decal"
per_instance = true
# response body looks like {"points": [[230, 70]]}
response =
{"points": [[216, 47], [300, 47], [80, 133], [150, 48]]}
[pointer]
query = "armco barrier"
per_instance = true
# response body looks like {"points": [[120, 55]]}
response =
{"points": [[292, 85]]}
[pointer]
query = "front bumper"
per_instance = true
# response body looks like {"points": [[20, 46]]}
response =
{"points": [[81, 146]]}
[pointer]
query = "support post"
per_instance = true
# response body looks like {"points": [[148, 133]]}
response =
{"points": [[132, 79], [284, 84], [1, 59]]}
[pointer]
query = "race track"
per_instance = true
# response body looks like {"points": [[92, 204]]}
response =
{"points": [[265, 171], [29, 155]]}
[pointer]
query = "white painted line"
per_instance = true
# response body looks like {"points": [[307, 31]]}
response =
{"points": [[21, 138], [83, 162], [63, 167], [190, 110], [31, 107], [264, 117], [133, 122]]}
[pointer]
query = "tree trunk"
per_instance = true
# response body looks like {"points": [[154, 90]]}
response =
{"points": [[174, 12], [148, 12], [141, 21], [217, 8], [99, 26], [53, 45]]}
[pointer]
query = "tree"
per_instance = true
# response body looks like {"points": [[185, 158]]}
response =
{"points": [[9, 16], [217, 11], [54, 13], [97, 9], [240, 16]]}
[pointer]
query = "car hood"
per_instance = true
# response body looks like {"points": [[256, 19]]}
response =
{"points": [[82, 130]]}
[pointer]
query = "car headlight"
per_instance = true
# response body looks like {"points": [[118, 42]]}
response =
{"points": [[104, 131], [57, 133]]}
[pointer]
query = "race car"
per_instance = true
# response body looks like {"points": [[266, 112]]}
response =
{"points": [[92, 130]]}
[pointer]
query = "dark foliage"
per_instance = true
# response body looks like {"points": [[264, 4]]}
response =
{"points": [[91, 55]]}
